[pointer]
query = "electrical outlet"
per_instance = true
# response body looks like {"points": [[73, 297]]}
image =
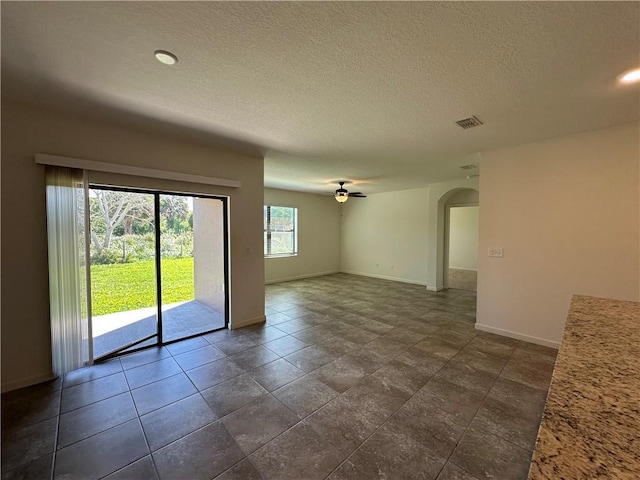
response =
{"points": [[496, 252]]}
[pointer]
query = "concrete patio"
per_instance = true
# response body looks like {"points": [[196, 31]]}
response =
{"points": [[182, 319]]}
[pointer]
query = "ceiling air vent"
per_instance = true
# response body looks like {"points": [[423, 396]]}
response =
{"points": [[469, 122], [467, 167]]}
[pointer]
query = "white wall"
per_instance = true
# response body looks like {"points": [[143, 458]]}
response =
{"points": [[385, 236], [566, 212], [465, 197], [26, 351], [463, 238], [208, 252], [318, 236]]}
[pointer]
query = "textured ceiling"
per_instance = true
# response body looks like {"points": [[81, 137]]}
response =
{"points": [[361, 91]]}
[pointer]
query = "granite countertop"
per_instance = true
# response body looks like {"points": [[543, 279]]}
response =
{"points": [[591, 423]]}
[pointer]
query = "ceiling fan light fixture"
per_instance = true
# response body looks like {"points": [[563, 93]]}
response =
{"points": [[342, 194], [341, 197]]}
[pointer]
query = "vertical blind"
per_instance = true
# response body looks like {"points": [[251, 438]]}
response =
{"points": [[67, 296]]}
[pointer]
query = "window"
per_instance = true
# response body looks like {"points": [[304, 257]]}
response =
{"points": [[280, 231]]}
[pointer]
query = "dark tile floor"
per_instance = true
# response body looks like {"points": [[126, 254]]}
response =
{"points": [[463, 279], [350, 378]]}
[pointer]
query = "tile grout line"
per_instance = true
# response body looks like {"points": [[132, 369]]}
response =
{"points": [[144, 435], [101, 399], [520, 383], [55, 442], [361, 346], [183, 371], [301, 420], [393, 415], [103, 431], [476, 413], [214, 385], [219, 419]]}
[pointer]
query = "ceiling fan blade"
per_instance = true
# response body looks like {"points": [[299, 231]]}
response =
{"points": [[357, 195]]}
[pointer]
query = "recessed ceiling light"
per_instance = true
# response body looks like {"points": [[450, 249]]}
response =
{"points": [[631, 76], [165, 57]]}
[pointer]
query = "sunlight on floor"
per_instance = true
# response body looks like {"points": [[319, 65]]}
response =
{"points": [[115, 331], [108, 323]]}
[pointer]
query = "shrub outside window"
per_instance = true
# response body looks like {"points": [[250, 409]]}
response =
{"points": [[280, 231]]}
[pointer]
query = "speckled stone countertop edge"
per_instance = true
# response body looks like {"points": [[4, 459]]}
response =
{"points": [[591, 422]]}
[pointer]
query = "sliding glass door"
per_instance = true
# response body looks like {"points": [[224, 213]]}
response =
{"points": [[124, 293], [192, 265], [158, 268]]}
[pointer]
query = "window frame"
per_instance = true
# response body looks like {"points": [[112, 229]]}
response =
{"points": [[267, 231]]}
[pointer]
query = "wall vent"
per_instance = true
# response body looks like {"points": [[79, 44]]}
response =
{"points": [[469, 122]]}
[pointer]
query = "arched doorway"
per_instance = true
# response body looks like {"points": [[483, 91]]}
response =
{"points": [[440, 195], [461, 241]]}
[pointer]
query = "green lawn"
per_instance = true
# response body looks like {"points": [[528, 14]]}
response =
{"points": [[128, 286]]}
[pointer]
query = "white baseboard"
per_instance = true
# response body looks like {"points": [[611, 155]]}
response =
{"points": [[518, 336], [27, 382], [384, 277], [300, 277], [248, 321], [435, 289], [463, 268]]}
